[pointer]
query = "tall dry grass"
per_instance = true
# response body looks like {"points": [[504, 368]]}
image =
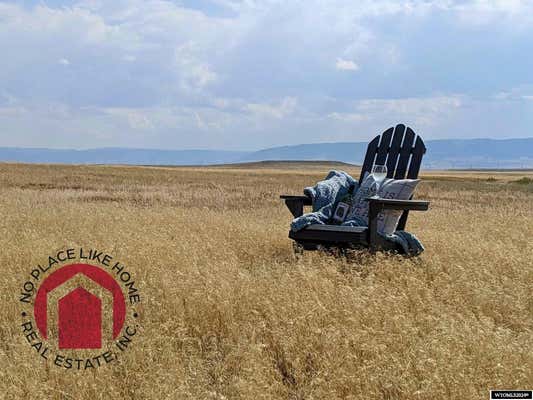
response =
{"points": [[229, 313]]}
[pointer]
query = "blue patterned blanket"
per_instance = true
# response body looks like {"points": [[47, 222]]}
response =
{"points": [[325, 195]]}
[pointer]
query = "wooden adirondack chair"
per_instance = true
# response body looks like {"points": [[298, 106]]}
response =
{"points": [[393, 148]]}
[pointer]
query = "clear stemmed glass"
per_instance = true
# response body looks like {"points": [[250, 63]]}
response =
{"points": [[380, 173]]}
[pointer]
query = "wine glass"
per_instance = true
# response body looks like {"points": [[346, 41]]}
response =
{"points": [[379, 172]]}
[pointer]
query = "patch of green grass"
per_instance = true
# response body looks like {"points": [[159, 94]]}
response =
{"points": [[524, 181]]}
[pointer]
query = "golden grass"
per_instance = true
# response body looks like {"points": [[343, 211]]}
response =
{"points": [[229, 313]]}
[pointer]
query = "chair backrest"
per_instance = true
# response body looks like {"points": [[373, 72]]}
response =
{"points": [[400, 149]]}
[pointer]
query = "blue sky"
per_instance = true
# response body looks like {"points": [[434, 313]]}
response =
{"points": [[228, 74]]}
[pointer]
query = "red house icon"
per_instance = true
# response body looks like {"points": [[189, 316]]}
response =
{"points": [[80, 320], [81, 306]]}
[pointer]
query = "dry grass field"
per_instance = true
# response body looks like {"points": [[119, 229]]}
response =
{"points": [[230, 313]]}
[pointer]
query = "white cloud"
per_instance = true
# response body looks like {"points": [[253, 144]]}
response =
{"points": [[513, 13], [348, 117], [346, 65], [194, 72], [136, 119], [285, 107], [412, 105], [64, 61], [425, 111], [422, 113]]}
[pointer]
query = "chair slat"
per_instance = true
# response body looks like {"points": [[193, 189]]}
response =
{"points": [[405, 154], [394, 151], [383, 148], [369, 157], [416, 159]]}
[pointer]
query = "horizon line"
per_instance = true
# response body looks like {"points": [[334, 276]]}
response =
{"points": [[237, 151]]}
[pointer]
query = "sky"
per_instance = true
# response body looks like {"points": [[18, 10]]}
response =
{"points": [[246, 75]]}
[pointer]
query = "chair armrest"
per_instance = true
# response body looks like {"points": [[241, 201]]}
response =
{"points": [[392, 204], [296, 204], [306, 199], [376, 205]]}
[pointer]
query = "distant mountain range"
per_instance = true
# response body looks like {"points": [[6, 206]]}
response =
{"points": [[118, 155], [446, 153]]}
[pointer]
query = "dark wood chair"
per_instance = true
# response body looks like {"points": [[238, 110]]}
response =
{"points": [[402, 151]]}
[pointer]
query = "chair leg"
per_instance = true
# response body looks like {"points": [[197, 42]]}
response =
{"points": [[373, 239], [298, 248], [402, 221]]}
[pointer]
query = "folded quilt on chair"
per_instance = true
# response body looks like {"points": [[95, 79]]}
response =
{"points": [[325, 195]]}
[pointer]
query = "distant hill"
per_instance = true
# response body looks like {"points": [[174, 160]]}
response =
{"points": [[441, 154], [446, 153], [290, 164], [348, 152]]}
